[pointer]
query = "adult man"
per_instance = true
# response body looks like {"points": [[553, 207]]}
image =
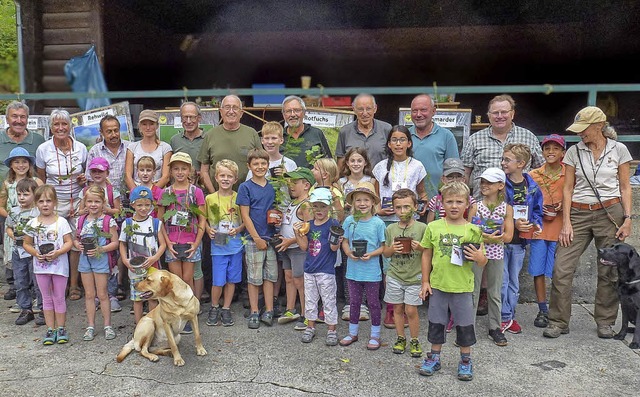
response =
{"points": [[113, 149], [17, 134], [299, 136], [484, 148], [229, 140], [366, 132], [191, 139], [432, 144]]}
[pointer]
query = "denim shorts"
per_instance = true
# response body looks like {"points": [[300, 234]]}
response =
{"points": [[94, 265]]}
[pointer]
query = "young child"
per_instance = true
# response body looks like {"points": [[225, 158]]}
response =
{"points": [[272, 138], [319, 267], [452, 171], [141, 236], [524, 195], [492, 207], [325, 172], [146, 169], [223, 216], [51, 235], [550, 178], [363, 271], [255, 197], [94, 264], [20, 164], [293, 256], [405, 270], [99, 171], [22, 261], [448, 277]]}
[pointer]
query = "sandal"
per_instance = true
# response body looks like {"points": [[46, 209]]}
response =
{"points": [[374, 343], [75, 294], [89, 334], [349, 339], [109, 332]]}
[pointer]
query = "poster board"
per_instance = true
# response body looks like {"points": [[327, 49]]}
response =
{"points": [[36, 123], [170, 123], [458, 121], [330, 122], [85, 126]]}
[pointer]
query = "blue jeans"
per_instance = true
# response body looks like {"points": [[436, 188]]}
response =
{"points": [[25, 282], [513, 261]]}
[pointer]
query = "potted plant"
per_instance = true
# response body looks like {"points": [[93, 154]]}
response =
{"points": [[549, 211], [185, 223], [136, 262], [402, 239], [222, 228], [90, 241], [359, 247]]}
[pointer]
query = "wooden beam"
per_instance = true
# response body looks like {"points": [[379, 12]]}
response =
{"points": [[64, 51], [68, 36], [59, 6], [69, 20], [55, 84], [53, 67]]}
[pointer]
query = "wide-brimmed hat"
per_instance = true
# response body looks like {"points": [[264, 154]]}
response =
{"points": [[586, 117], [364, 187], [182, 157], [19, 152], [494, 175]]}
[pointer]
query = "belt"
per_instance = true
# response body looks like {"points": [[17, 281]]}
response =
{"points": [[596, 206]]}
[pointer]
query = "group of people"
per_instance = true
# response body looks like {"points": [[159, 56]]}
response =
{"points": [[399, 210]]}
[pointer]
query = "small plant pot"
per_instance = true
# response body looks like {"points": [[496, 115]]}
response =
{"points": [[274, 217], [272, 171], [549, 212], [88, 244], [46, 248], [359, 248], [335, 232], [465, 245], [136, 264], [181, 249], [275, 241], [527, 235], [406, 244], [19, 241], [421, 205], [220, 238]]}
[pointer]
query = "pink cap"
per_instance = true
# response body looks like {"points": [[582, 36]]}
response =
{"points": [[99, 163], [554, 138]]}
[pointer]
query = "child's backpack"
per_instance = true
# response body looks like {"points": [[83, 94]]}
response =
{"points": [[106, 220], [110, 199], [128, 222]]}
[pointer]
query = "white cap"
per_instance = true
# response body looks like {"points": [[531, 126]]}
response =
{"points": [[493, 175]]}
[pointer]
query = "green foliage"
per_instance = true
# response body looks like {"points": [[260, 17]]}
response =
{"points": [[9, 78]]}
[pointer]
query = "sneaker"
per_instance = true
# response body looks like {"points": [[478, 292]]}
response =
{"points": [[605, 331], [131, 311], [267, 318], [320, 318], [346, 313], [497, 337], [288, 316], [187, 329], [254, 321], [34, 307], [62, 336], [430, 365], [515, 328], [542, 320], [483, 303], [109, 332], [227, 318], [301, 324], [277, 310], [308, 335], [504, 326], [115, 305], [400, 345], [414, 348], [449, 324], [388, 320], [214, 316], [332, 338], [364, 313], [465, 369], [49, 337], [553, 331], [15, 308], [25, 316], [89, 334], [10, 295], [40, 319]]}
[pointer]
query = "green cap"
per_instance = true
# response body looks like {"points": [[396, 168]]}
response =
{"points": [[302, 173]]}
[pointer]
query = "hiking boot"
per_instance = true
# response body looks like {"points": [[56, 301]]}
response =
{"points": [[40, 319], [277, 310], [515, 328], [62, 336], [553, 331], [267, 318], [497, 337], [115, 305], [483, 303], [414, 348], [254, 321], [605, 331], [308, 335], [301, 324], [10, 295], [49, 337], [430, 365], [288, 316], [400, 345], [465, 369], [213, 318], [25, 316], [227, 318]]}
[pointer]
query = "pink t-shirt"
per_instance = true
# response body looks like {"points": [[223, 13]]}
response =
{"points": [[184, 234]]}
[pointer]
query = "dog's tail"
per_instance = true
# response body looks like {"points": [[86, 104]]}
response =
{"points": [[126, 349]]}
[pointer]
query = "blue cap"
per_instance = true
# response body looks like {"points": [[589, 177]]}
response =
{"points": [[140, 192], [19, 152]]}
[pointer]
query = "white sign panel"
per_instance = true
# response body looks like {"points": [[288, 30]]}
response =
{"points": [[318, 119], [94, 118]]}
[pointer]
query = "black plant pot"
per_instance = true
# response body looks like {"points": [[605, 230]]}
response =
{"points": [[359, 248], [46, 248], [275, 241], [181, 249], [88, 243], [335, 232], [136, 263], [220, 238]]}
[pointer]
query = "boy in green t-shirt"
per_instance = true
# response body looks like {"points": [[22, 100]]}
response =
{"points": [[402, 288], [447, 276]]}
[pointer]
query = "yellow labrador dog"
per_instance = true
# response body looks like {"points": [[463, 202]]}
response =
{"points": [[158, 333]]}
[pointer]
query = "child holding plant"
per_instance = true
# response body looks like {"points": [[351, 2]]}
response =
{"points": [[99, 171], [94, 265], [550, 178]]}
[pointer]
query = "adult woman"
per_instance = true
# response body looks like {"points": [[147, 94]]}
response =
{"points": [[150, 145], [60, 163], [597, 205]]}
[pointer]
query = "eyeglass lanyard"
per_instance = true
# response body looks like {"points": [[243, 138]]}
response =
{"points": [[66, 163], [395, 171]]}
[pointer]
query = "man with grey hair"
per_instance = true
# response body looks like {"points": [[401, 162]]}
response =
{"points": [[191, 138], [17, 134], [300, 136], [229, 140], [365, 132]]}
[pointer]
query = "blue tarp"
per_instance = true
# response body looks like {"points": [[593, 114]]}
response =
{"points": [[84, 75]]}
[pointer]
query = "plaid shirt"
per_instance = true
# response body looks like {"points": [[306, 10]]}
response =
{"points": [[483, 151], [116, 162]]}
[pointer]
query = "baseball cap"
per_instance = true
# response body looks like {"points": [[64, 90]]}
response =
{"points": [[586, 117], [140, 192], [554, 138], [452, 165], [493, 175], [19, 152], [148, 115], [180, 156], [99, 163], [301, 173], [364, 187], [321, 195]]}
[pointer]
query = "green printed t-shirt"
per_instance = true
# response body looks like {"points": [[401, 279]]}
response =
{"points": [[406, 268], [441, 237]]}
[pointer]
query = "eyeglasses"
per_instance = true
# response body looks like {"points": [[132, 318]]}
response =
{"points": [[398, 140], [189, 118], [508, 160], [289, 112], [363, 110], [497, 113], [229, 107]]}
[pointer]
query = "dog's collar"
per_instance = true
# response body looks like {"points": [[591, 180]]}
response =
{"points": [[633, 282]]}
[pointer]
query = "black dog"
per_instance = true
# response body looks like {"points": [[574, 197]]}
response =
{"points": [[627, 260]]}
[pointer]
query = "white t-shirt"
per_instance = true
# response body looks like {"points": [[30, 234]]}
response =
{"points": [[143, 241], [53, 233], [289, 165], [62, 169], [158, 156], [402, 175]]}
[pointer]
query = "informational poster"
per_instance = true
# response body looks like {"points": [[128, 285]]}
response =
{"points": [[86, 125], [329, 121], [171, 124], [36, 123], [458, 121]]}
